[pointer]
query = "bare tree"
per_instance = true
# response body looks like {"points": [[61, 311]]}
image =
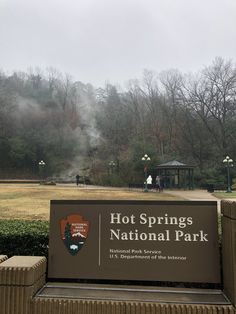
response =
{"points": [[213, 97]]}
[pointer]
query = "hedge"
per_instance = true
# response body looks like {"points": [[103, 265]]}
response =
{"points": [[24, 237]]}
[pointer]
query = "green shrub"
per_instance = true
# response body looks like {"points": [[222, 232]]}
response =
{"points": [[48, 183], [210, 177], [23, 237], [233, 186], [111, 180]]}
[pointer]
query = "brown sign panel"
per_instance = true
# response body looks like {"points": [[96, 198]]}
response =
{"points": [[134, 240]]}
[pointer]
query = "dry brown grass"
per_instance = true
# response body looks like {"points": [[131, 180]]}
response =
{"points": [[32, 201]]}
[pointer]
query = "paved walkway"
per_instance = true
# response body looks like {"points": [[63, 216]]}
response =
{"points": [[197, 195], [193, 195]]}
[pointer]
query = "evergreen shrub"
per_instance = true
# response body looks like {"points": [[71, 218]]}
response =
{"points": [[111, 180], [24, 237]]}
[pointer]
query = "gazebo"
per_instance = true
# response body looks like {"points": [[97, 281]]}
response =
{"points": [[176, 174]]}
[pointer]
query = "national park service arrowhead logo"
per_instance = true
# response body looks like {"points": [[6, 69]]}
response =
{"points": [[74, 232]]}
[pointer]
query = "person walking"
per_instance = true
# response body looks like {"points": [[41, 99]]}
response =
{"points": [[158, 183], [161, 184], [77, 179], [149, 181]]}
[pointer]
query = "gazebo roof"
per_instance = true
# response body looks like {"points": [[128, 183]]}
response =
{"points": [[174, 164]]}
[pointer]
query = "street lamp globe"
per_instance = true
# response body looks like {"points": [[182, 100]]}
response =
{"points": [[112, 166], [42, 163], [146, 158]]}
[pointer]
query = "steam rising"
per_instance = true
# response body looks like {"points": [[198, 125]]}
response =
{"points": [[69, 115]]}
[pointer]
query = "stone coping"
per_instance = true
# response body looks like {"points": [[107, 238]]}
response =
{"points": [[3, 258], [127, 293], [22, 270]]}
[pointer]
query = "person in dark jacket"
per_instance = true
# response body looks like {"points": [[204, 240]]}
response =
{"points": [[162, 183]]}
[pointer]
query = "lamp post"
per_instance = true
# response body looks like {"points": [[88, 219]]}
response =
{"points": [[112, 165], [42, 164], [228, 164], [145, 159]]}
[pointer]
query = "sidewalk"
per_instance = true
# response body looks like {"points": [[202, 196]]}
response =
{"points": [[197, 195], [193, 195]]}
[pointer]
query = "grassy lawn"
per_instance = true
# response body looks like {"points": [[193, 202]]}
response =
{"points": [[224, 195], [32, 201]]}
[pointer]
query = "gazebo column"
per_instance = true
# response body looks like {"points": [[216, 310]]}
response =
{"points": [[184, 178], [171, 178], [178, 179], [192, 183], [189, 179]]}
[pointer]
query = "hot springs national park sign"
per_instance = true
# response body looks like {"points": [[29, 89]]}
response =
{"points": [[134, 240]]}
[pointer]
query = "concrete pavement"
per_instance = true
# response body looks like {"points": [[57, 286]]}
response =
{"points": [[197, 195], [193, 195]]}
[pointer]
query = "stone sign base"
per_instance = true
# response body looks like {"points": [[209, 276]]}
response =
{"points": [[67, 306], [20, 278], [23, 291]]}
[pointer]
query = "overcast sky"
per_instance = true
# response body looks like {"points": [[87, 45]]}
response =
{"points": [[115, 40]]}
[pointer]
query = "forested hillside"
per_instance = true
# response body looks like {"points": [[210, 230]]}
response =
{"points": [[75, 128]]}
